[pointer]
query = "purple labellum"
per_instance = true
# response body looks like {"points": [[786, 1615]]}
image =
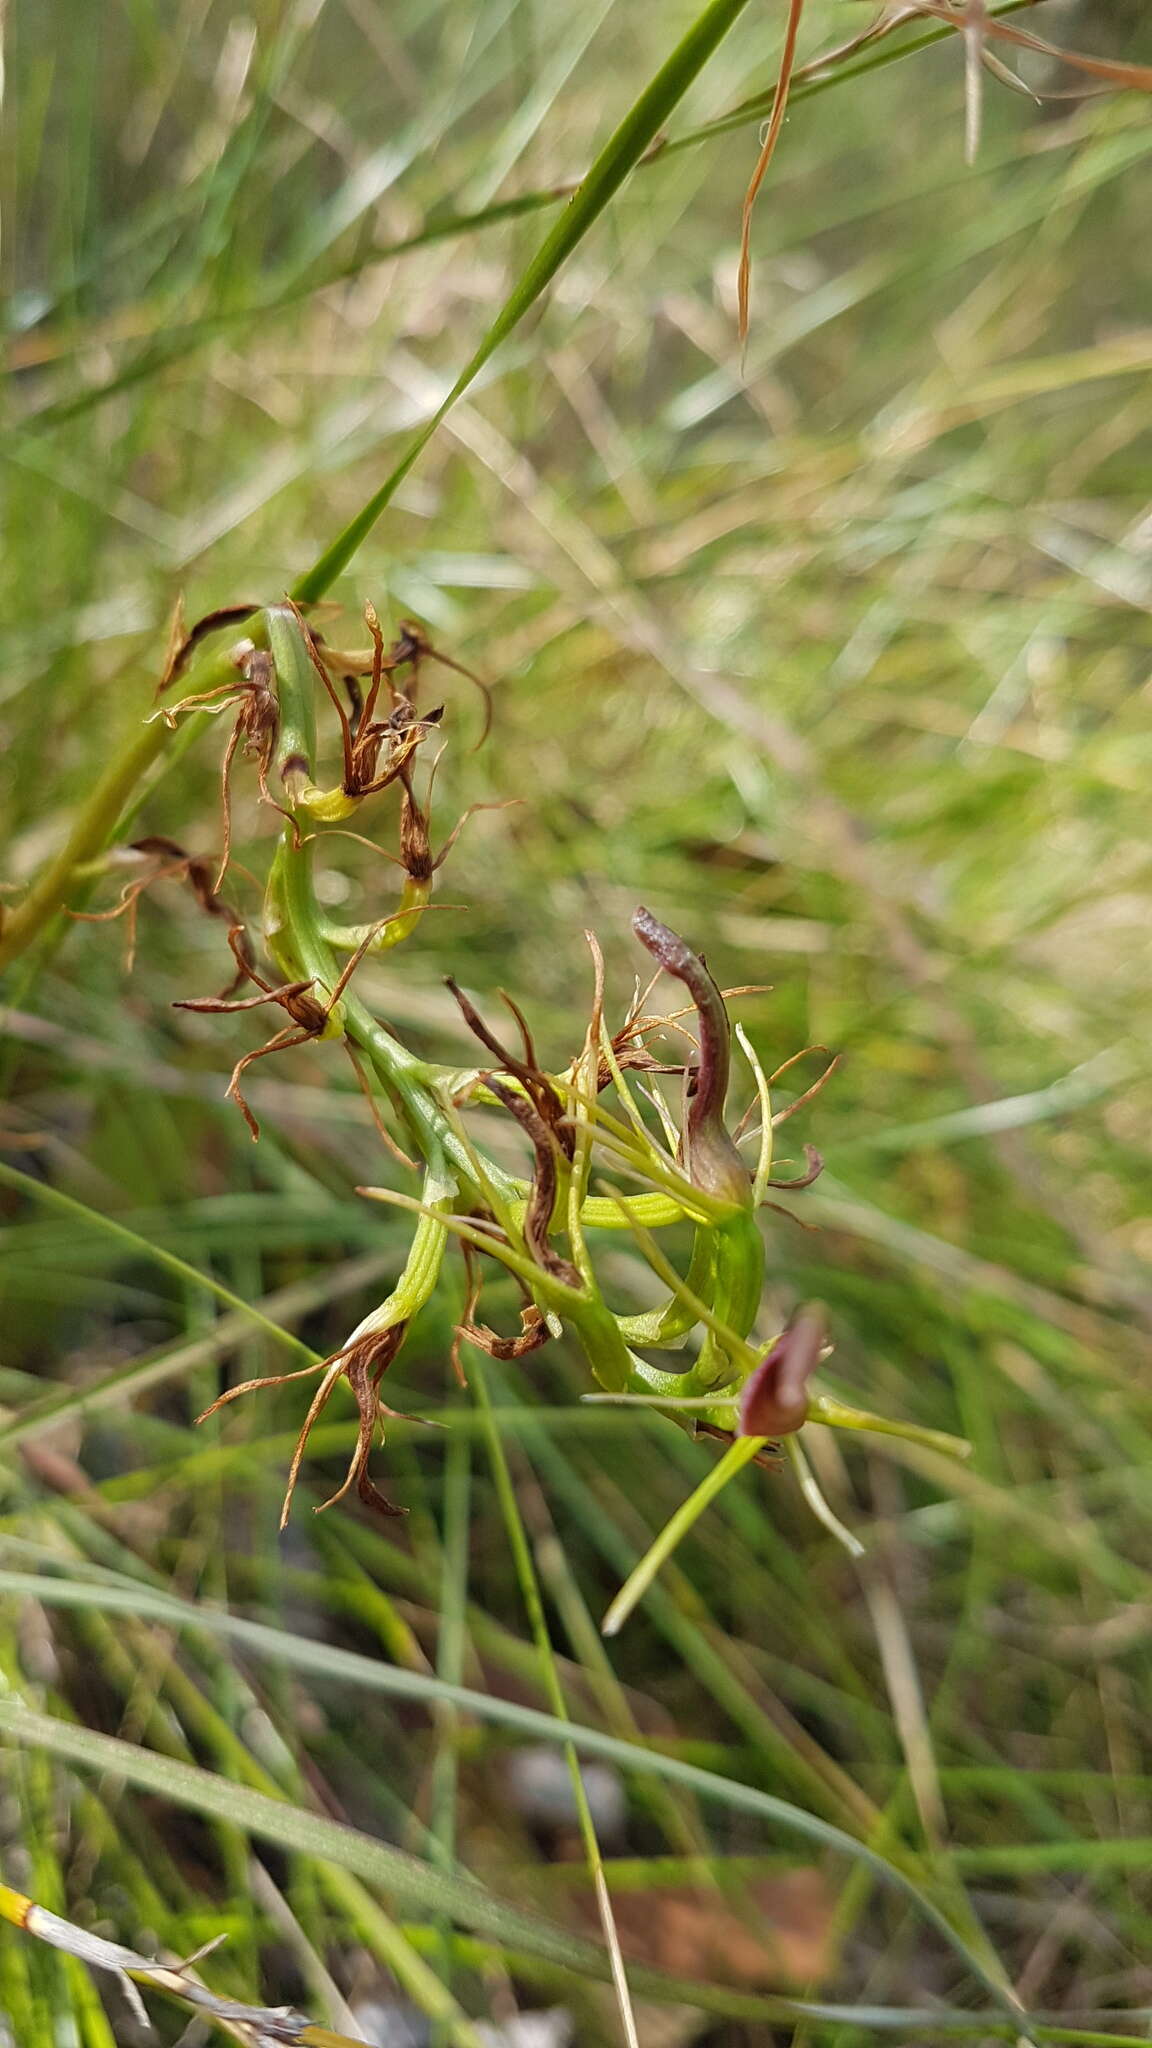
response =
{"points": [[774, 1398]]}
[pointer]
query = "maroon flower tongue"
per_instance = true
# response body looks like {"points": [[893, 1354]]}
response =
{"points": [[711, 1158], [774, 1398]]}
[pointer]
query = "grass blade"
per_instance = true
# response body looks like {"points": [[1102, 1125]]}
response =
{"points": [[327, 1661], [620, 155], [24, 1184]]}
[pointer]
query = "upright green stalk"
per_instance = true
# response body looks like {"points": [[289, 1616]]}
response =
{"points": [[620, 155]]}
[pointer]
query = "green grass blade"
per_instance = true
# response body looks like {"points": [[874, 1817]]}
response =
{"points": [[127, 1382], [620, 155], [415, 1887], [554, 1692], [326, 1660], [53, 1198]]}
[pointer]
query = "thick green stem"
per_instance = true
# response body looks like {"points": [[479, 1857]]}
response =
{"points": [[663, 1327], [295, 933]]}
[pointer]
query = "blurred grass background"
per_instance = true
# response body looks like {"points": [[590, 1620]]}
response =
{"points": [[842, 665]]}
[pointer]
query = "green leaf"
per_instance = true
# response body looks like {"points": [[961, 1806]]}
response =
{"points": [[620, 155]]}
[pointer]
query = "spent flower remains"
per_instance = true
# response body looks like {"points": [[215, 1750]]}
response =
{"points": [[607, 1152]]}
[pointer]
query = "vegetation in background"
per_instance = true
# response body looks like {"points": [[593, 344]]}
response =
{"points": [[836, 654]]}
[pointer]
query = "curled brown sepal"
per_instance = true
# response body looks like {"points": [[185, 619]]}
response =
{"points": [[534, 1332], [542, 1093], [255, 728], [409, 651], [710, 1155], [542, 1199], [774, 1397], [813, 1168], [183, 644], [631, 1058], [307, 1015], [417, 859], [414, 647], [363, 1364], [168, 861]]}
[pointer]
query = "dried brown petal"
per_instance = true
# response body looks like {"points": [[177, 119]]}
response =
{"points": [[542, 1092], [542, 1200], [813, 1165], [185, 645], [534, 1333]]}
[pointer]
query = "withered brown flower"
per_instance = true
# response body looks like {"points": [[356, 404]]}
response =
{"points": [[364, 737], [164, 861], [363, 1364], [307, 1015]]}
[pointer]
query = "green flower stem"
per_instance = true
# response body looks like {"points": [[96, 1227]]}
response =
{"points": [[649, 1383], [652, 1388], [620, 1212], [296, 695], [417, 1283], [294, 929], [621, 153], [296, 737], [599, 1332], [348, 938], [646, 1379], [406, 1079], [612, 1363], [102, 818], [660, 1327]]}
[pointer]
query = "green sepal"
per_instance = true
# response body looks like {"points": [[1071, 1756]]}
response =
{"points": [[739, 1281]]}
